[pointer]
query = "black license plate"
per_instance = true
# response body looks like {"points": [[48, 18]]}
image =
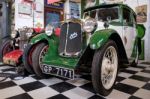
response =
{"points": [[58, 71]]}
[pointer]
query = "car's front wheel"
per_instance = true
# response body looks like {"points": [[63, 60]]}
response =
{"points": [[27, 56], [37, 57], [105, 68]]}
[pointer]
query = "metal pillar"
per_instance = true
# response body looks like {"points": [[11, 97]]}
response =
{"points": [[5, 22]]}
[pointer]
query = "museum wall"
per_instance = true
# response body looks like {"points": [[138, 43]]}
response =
{"points": [[31, 17]]}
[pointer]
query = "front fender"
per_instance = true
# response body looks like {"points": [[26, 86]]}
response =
{"points": [[37, 38], [99, 38]]}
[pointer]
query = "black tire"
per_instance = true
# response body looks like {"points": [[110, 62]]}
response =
{"points": [[35, 59], [6, 48], [97, 69], [27, 58]]}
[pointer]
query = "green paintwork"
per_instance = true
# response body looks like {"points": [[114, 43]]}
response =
{"points": [[100, 37], [52, 57], [140, 30], [140, 34], [38, 38], [141, 57], [134, 52]]}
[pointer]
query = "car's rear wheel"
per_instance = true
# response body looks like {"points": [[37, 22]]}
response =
{"points": [[37, 57], [105, 68]]}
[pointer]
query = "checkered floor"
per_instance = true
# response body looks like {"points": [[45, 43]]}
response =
{"points": [[132, 83]]}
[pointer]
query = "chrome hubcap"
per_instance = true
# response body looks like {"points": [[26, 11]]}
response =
{"points": [[109, 67]]}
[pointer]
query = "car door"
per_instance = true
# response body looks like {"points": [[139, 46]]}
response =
{"points": [[128, 31]]}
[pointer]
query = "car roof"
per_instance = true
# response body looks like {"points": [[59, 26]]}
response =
{"points": [[108, 5]]}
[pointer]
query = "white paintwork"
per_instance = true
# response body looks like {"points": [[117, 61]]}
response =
{"points": [[129, 33], [123, 31]]}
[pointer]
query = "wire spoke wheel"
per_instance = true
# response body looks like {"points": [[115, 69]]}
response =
{"points": [[109, 67], [42, 54], [105, 68], [37, 58]]}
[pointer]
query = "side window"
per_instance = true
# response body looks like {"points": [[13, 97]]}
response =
{"points": [[126, 16]]}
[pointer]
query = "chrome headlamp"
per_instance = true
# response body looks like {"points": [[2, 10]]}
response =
{"points": [[89, 25], [49, 30]]}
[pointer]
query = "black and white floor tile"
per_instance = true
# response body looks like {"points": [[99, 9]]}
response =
{"points": [[132, 83]]}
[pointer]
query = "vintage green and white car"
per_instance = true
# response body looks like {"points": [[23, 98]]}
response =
{"points": [[98, 44]]}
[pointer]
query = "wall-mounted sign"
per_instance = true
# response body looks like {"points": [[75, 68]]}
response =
{"points": [[74, 10], [25, 9], [59, 5]]}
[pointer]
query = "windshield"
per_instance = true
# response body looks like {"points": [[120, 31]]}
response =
{"points": [[103, 14], [106, 14]]}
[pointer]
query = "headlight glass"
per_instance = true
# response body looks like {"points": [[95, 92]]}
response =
{"points": [[49, 30], [89, 25]]}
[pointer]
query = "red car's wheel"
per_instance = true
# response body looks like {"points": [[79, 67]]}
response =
{"points": [[6, 48]]}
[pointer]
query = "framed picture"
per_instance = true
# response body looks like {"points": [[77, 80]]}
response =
{"points": [[141, 12]]}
